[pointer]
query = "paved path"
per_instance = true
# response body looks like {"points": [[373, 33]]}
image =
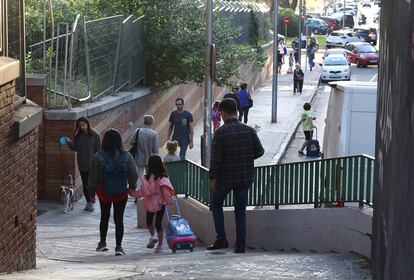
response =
{"points": [[274, 136], [66, 250]]}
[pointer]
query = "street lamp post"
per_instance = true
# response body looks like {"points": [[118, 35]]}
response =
{"points": [[275, 62], [343, 18], [208, 82]]}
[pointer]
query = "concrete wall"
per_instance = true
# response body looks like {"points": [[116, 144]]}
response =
{"points": [[18, 173], [320, 230], [393, 227], [116, 112]]}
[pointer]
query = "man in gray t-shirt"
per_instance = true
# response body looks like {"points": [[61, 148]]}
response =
{"points": [[181, 121], [148, 144]]}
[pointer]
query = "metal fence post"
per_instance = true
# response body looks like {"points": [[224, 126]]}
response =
{"points": [[66, 58], [118, 49], [57, 56], [88, 67]]}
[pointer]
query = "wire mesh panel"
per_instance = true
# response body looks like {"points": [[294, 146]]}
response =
{"points": [[16, 39], [138, 52], [101, 46]]}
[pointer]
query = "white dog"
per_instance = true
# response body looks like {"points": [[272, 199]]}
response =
{"points": [[68, 195]]}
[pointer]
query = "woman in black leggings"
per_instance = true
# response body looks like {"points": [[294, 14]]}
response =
{"points": [[112, 189]]}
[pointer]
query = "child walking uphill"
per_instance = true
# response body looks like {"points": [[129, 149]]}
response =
{"points": [[157, 191], [172, 147]]}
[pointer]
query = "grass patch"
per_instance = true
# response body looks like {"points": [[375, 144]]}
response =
{"points": [[321, 41]]}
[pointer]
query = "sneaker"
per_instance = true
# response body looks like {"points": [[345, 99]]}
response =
{"points": [[101, 247], [119, 251], [87, 207], [294, 93], [301, 153], [159, 249], [91, 207], [151, 243]]}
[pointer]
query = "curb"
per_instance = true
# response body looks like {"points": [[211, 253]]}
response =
{"points": [[284, 147]]}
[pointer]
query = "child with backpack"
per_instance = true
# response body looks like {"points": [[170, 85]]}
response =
{"points": [[111, 171], [307, 124], [157, 191], [172, 152]]}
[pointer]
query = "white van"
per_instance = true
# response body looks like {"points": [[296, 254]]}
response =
{"points": [[351, 119]]}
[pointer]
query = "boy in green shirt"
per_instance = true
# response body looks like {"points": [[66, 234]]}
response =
{"points": [[307, 125]]}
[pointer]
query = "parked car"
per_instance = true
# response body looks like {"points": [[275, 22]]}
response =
{"points": [[342, 37], [335, 68], [362, 54], [368, 33], [330, 21], [317, 26], [336, 51], [348, 10], [349, 19]]}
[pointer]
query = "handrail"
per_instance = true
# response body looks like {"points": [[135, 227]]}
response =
{"points": [[341, 179]]}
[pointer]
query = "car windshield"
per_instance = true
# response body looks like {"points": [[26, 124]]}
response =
{"points": [[335, 60], [366, 49]]}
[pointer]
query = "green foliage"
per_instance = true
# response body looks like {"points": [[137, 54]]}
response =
{"points": [[175, 34], [293, 26], [253, 28]]}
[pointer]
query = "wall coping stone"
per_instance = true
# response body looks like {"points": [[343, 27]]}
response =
{"points": [[90, 109], [36, 80], [9, 69], [27, 117]]}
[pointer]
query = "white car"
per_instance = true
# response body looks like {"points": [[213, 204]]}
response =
{"points": [[335, 68], [336, 51], [340, 38]]}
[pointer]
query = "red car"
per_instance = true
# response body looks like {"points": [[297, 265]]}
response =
{"points": [[362, 54], [330, 21]]}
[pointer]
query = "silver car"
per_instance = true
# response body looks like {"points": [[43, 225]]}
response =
{"points": [[336, 68], [340, 38]]}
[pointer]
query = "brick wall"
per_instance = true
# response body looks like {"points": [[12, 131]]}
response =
{"points": [[55, 167], [18, 183]]}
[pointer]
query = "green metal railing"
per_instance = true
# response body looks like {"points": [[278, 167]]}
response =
{"points": [[346, 179]]}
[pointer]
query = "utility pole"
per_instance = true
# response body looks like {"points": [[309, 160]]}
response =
{"points": [[300, 32], [208, 83], [343, 18], [275, 61]]}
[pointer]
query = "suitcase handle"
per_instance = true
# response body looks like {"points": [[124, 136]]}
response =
{"points": [[175, 199], [316, 132]]}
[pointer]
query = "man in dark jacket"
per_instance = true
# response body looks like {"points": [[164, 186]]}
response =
{"points": [[233, 95], [235, 147]]}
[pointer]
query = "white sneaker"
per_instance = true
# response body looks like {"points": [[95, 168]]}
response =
{"points": [[159, 249], [151, 243]]}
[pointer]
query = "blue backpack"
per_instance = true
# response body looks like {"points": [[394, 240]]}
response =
{"points": [[114, 174]]}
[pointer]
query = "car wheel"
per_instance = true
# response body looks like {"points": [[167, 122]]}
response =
{"points": [[315, 30], [358, 63]]}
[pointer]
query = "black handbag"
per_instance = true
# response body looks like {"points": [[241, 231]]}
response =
{"points": [[134, 149]]}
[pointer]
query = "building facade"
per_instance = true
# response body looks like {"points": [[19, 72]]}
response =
{"points": [[19, 121]]}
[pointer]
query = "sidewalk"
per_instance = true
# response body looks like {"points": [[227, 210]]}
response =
{"points": [[66, 250], [275, 137]]}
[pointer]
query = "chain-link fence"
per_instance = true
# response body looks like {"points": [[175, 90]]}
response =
{"points": [[91, 59]]}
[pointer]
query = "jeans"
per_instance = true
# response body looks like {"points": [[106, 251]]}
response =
{"points": [[244, 114], [119, 208], [183, 149], [84, 177], [297, 86], [240, 201]]}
